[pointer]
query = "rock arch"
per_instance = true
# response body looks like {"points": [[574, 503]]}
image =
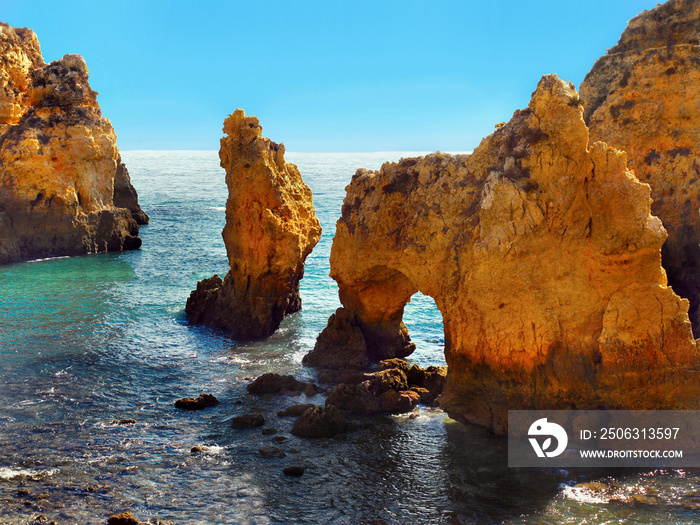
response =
{"points": [[541, 253]]}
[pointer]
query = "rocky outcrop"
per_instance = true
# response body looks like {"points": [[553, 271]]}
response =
{"points": [[395, 389], [58, 159], [643, 96], [200, 402], [125, 195], [544, 259], [271, 227], [341, 345]]}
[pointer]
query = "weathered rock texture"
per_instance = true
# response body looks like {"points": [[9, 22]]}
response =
{"points": [[541, 253], [643, 97], [58, 159], [271, 227]]}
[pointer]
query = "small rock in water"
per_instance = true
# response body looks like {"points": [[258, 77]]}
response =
{"points": [[125, 518], [294, 470], [203, 401], [272, 452], [269, 431], [295, 410], [319, 422], [399, 402], [199, 449], [124, 422], [279, 439], [311, 389], [98, 488], [248, 421], [271, 383]]}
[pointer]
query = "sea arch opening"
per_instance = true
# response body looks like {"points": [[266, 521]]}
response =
{"points": [[425, 327]]}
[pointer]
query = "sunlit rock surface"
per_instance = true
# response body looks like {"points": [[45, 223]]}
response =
{"points": [[271, 227], [544, 259], [58, 159], [643, 97]]}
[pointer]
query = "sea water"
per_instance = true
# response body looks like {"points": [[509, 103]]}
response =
{"points": [[88, 341]]}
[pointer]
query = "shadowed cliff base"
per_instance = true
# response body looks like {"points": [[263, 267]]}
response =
{"points": [[61, 178], [544, 259], [643, 98], [271, 227]]}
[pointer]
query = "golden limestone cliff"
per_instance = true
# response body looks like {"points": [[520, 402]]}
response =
{"points": [[643, 96], [62, 184], [541, 253], [271, 227]]}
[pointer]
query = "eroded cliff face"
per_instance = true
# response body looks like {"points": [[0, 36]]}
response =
{"points": [[643, 97], [271, 227], [58, 158], [544, 259]]}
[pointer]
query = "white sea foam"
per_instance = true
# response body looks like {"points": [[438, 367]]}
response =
{"points": [[8, 473]]}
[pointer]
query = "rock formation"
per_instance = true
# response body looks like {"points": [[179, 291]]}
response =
{"points": [[542, 255], [271, 227], [58, 159], [643, 96]]}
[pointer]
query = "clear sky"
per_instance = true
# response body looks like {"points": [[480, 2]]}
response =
{"points": [[328, 75]]}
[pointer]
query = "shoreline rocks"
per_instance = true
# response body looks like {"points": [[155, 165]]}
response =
{"points": [[59, 162], [271, 227], [391, 390]]}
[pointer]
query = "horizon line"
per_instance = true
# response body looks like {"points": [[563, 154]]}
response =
{"points": [[451, 152]]}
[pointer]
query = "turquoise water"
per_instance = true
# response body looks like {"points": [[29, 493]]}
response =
{"points": [[89, 340]]}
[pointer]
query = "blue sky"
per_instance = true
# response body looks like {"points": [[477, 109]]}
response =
{"points": [[322, 75]]}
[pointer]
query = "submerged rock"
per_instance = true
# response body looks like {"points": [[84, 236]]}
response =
{"points": [[59, 162], [127, 421], [295, 410], [202, 401], [643, 96], [294, 471], [272, 452], [544, 259], [271, 227]]}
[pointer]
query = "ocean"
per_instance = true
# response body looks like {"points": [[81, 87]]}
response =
{"points": [[89, 341]]}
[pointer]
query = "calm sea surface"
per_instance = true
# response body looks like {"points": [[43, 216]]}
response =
{"points": [[86, 341]]}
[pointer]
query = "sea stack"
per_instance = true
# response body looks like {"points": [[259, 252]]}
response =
{"points": [[541, 253], [643, 97], [58, 159], [271, 227]]}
